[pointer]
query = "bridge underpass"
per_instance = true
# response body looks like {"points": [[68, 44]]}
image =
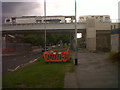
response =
{"points": [[18, 34], [56, 28]]}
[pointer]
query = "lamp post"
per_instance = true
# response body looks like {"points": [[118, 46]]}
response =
{"points": [[76, 60], [45, 21]]}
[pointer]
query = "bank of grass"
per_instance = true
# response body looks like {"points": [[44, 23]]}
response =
{"points": [[38, 75], [114, 56]]}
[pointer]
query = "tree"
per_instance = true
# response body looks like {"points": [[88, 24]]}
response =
{"points": [[53, 39], [34, 39]]}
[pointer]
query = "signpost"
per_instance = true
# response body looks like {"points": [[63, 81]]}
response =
{"points": [[45, 21], [76, 60]]}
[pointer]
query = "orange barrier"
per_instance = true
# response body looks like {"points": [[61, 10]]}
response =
{"points": [[57, 55]]}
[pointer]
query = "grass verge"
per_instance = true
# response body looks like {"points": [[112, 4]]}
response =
{"points": [[38, 75]]}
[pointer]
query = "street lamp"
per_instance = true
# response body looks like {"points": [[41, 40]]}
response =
{"points": [[45, 21], [76, 60]]}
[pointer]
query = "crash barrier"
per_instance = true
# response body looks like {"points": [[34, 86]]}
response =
{"points": [[57, 55]]}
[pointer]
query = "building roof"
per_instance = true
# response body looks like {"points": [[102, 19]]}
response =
{"points": [[115, 31]]}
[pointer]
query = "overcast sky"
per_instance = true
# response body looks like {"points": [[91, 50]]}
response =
{"points": [[60, 7]]}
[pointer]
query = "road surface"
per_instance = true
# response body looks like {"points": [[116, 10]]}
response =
{"points": [[12, 61]]}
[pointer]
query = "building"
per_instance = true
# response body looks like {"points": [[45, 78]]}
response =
{"points": [[39, 19], [99, 18]]}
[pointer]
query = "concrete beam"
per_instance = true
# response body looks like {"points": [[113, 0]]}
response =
{"points": [[50, 26]]}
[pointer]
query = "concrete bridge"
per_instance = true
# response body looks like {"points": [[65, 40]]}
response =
{"points": [[96, 34], [52, 27]]}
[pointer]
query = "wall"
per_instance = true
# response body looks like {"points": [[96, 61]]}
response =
{"points": [[90, 35], [102, 25], [95, 40], [103, 40], [115, 42]]}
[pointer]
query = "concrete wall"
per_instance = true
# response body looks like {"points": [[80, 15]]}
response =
{"points": [[102, 26], [94, 39], [103, 40], [90, 35], [115, 42]]}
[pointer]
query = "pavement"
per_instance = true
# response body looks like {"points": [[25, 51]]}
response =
{"points": [[94, 70], [70, 80]]}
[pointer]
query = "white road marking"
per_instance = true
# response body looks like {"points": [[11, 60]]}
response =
{"points": [[12, 70]]}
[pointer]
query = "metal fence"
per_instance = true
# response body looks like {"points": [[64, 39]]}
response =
{"points": [[19, 46]]}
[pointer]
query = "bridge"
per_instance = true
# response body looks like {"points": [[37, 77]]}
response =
{"points": [[95, 34], [39, 27]]}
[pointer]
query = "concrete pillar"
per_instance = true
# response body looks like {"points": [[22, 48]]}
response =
{"points": [[90, 34]]}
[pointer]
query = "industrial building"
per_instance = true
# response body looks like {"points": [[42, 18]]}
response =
{"points": [[39, 19], [99, 18]]}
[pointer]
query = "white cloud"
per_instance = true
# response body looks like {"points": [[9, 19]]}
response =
{"points": [[84, 7]]}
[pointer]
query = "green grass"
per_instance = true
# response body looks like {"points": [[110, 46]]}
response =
{"points": [[38, 75]]}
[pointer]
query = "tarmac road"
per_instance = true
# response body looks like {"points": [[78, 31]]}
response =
{"points": [[12, 61]]}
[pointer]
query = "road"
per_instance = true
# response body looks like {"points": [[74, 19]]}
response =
{"points": [[11, 62]]}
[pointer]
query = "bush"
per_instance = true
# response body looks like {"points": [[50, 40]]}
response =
{"points": [[34, 39]]}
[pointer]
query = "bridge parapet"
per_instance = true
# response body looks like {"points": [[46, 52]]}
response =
{"points": [[37, 26]]}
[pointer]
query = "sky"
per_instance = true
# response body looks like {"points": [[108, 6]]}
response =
{"points": [[59, 7]]}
